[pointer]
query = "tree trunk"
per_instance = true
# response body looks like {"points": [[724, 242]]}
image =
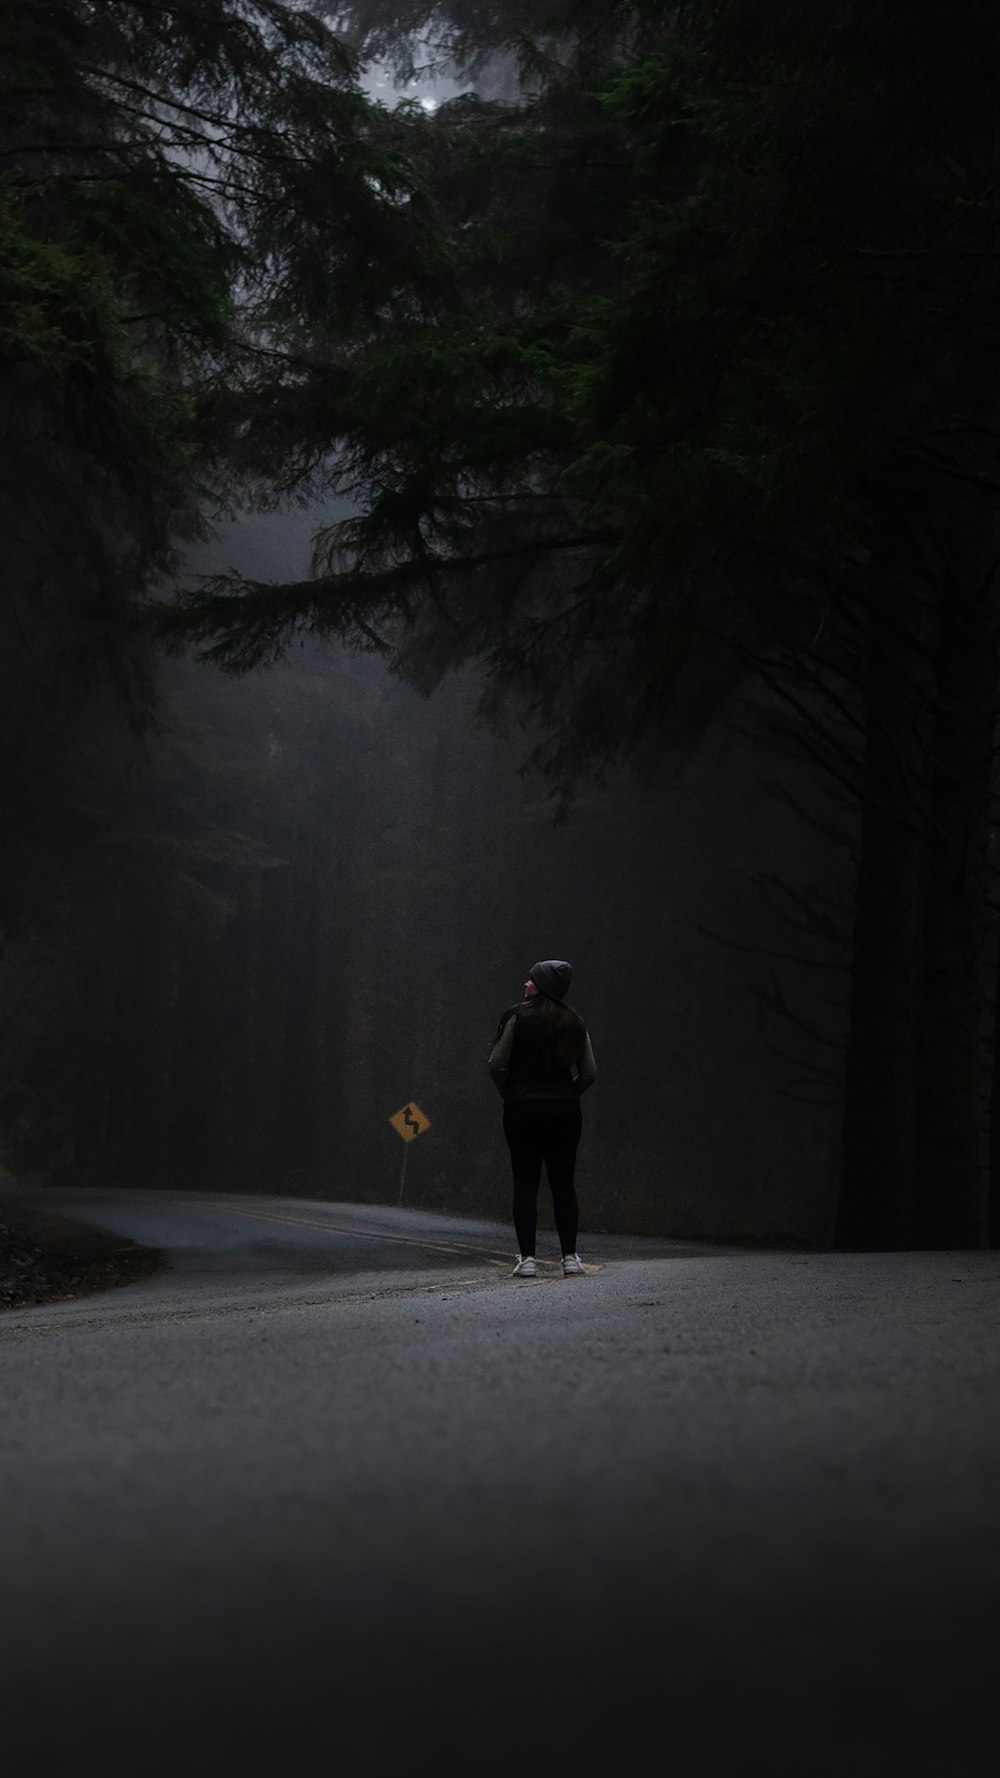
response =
{"points": [[994, 1147], [880, 1114], [951, 1205]]}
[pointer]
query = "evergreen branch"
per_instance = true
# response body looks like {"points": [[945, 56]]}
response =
{"points": [[734, 944]]}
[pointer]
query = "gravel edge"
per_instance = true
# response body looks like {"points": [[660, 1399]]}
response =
{"points": [[46, 1258]]}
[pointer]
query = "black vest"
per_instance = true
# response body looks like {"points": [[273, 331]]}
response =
{"points": [[529, 1074]]}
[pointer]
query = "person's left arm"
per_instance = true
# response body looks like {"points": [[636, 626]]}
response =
{"points": [[586, 1074]]}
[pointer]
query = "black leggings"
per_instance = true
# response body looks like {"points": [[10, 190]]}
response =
{"points": [[546, 1130]]}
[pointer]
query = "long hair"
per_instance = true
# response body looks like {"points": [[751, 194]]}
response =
{"points": [[564, 1034]]}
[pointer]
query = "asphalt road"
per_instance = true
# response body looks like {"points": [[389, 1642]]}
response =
{"points": [[334, 1495]]}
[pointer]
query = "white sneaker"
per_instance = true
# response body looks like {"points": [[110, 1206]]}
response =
{"points": [[525, 1268], [572, 1265]]}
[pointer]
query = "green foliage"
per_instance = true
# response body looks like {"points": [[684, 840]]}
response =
{"points": [[43, 313], [178, 187], [678, 319]]}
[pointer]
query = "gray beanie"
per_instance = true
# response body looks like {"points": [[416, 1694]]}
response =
{"points": [[551, 977]]}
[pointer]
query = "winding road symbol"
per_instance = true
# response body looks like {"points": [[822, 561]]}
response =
{"points": [[409, 1121]]}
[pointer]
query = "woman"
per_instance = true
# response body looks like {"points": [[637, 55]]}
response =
{"points": [[542, 1061]]}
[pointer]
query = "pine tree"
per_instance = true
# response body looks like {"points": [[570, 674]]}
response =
{"points": [[176, 183], [700, 370]]}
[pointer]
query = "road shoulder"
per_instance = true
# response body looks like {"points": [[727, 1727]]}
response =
{"points": [[45, 1258]]}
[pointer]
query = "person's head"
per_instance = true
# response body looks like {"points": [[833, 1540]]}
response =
{"points": [[551, 977]]}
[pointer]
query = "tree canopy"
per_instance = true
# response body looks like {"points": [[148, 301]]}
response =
{"points": [[690, 314], [157, 171]]}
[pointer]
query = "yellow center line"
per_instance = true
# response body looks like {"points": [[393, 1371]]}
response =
{"points": [[334, 1228], [452, 1284]]}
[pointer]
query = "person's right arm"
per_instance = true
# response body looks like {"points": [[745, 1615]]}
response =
{"points": [[500, 1057]]}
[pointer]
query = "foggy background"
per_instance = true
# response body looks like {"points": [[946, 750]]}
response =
{"points": [[341, 884], [306, 896]]}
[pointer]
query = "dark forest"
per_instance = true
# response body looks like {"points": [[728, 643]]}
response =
{"points": [[499, 888], [553, 511]]}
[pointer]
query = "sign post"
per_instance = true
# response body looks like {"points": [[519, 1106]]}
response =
{"points": [[409, 1121]]}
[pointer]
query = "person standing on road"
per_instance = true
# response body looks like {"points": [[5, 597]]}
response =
{"points": [[541, 1061]]}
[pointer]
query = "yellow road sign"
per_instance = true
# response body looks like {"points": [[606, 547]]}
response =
{"points": [[409, 1121]]}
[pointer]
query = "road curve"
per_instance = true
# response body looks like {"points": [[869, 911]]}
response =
{"points": [[334, 1495]]}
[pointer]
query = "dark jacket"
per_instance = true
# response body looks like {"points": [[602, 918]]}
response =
{"points": [[518, 1062]]}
